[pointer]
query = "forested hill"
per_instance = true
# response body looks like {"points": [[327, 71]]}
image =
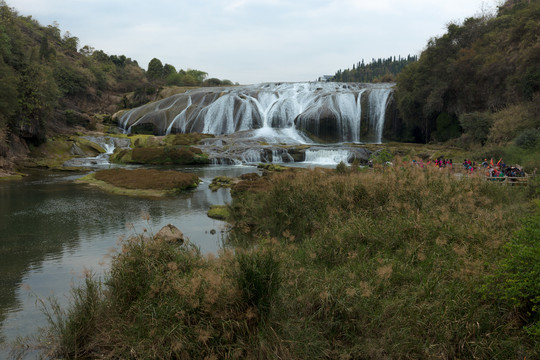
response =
{"points": [[380, 70], [478, 82], [49, 84]]}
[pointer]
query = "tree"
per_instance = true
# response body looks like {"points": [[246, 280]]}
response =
{"points": [[8, 93], [155, 69], [198, 75], [477, 125], [189, 80], [168, 69], [87, 50], [70, 42], [45, 51]]}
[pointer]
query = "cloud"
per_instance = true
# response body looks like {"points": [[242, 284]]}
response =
{"points": [[253, 40]]}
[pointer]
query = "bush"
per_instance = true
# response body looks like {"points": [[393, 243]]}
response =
{"points": [[381, 157], [342, 168], [477, 125], [447, 128], [527, 139], [517, 278]]}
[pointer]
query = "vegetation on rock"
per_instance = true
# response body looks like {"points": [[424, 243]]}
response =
{"points": [[221, 182], [170, 149], [220, 212], [142, 182]]}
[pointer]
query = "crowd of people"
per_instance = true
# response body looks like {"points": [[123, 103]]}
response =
{"points": [[490, 169]]}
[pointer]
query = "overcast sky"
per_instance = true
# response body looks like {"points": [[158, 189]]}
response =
{"points": [[253, 41]]}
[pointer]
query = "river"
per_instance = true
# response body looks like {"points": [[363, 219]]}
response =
{"points": [[52, 229]]}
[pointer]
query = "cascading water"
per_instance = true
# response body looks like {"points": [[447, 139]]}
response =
{"points": [[107, 143], [327, 157], [290, 113]]}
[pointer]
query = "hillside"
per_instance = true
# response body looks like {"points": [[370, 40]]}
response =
{"points": [[479, 82], [51, 86]]}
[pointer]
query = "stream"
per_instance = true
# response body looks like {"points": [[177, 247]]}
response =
{"points": [[52, 230]]}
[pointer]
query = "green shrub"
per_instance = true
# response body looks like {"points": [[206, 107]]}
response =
{"points": [[477, 125], [381, 157], [447, 127], [517, 278], [527, 139], [342, 168]]}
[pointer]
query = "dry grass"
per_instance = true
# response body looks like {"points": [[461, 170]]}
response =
{"points": [[366, 265], [148, 179]]}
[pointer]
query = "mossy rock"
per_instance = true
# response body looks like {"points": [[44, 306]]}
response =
{"points": [[121, 156], [11, 177], [219, 212], [166, 155], [160, 156], [188, 139], [273, 167], [88, 147], [221, 182], [144, 141]]}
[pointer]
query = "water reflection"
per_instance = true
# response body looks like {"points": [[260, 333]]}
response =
{"points": [[51, 229]]}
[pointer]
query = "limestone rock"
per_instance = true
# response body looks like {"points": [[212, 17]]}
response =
{"points": [[171, 234]]}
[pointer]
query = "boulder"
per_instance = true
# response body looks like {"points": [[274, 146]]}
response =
{"points": [[171, 234]]}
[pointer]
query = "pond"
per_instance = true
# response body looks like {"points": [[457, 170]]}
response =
{"points": [[52, 230]]}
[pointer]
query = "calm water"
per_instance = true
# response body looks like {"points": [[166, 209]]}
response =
{"points": [[52, 229]]}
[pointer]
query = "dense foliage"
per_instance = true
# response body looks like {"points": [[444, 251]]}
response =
{"points": [[43, 73], [478, 68], [380, 70]]}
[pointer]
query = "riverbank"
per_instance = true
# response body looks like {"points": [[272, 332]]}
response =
{"points": [[388, 263]]}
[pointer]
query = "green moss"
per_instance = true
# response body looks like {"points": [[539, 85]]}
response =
{"points": [[121, 156], [89, 147], [220, 182], [167, 155], [11, 177], [273, 167], [219, 212]]}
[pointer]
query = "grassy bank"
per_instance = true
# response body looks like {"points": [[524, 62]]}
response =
{"points": [[141, 182], [386, 264]]}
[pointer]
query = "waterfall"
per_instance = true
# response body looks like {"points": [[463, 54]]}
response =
{"points": [[378, 99], [284, 113]]}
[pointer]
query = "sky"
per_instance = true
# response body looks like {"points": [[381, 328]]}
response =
{"points": [[254, 41]]}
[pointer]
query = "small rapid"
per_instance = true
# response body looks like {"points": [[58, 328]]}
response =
{"points": [[107, 143]]}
